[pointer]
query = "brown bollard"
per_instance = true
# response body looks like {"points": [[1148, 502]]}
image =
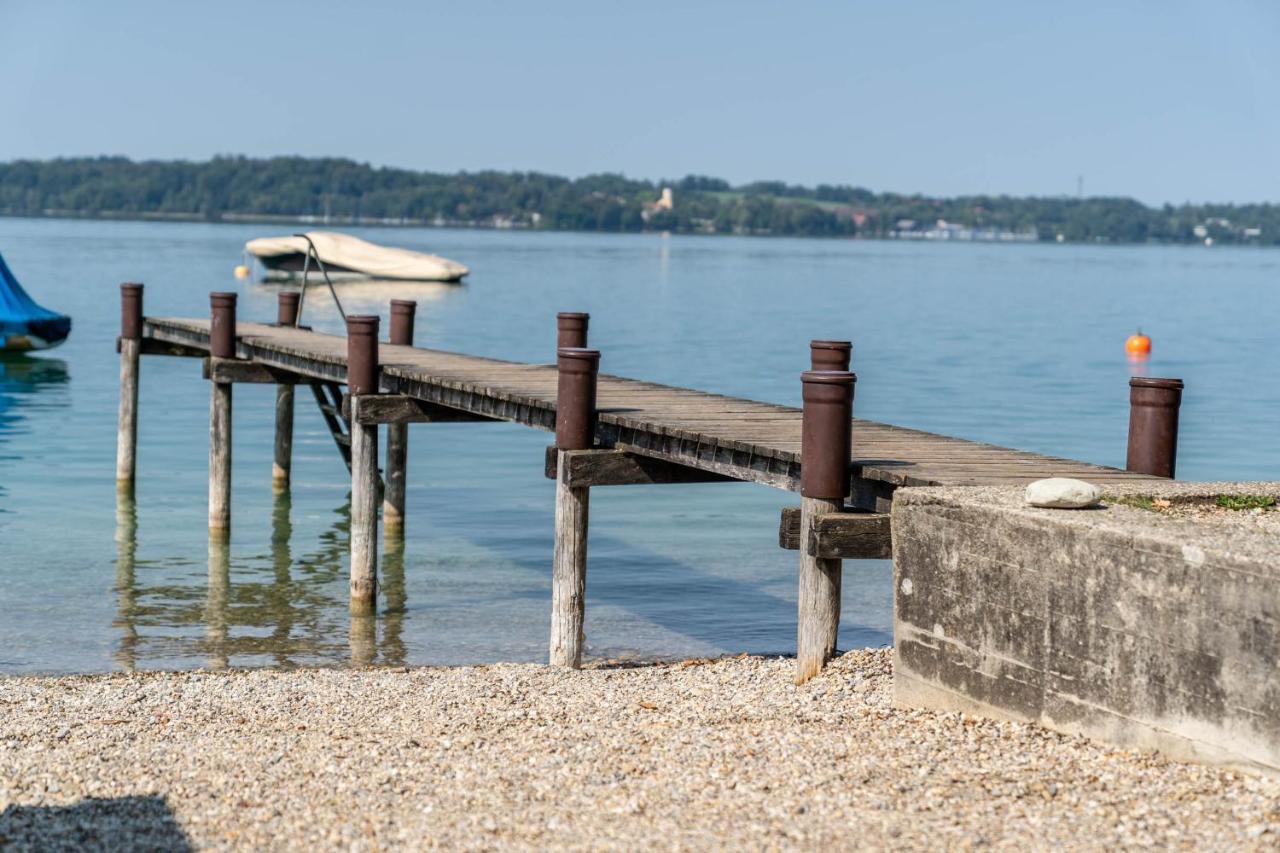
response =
{"points": [[826, 434], [130, 353], [830, 355], [287, 307], [362, 354], [222, 325], [131, 311], [576, 397], [362, 380], [282, 461], [1153, 425], [825, 444], [575, 430], [571, 329], [402, 314]]}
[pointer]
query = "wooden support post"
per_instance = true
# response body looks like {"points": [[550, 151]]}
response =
{"points": [[130, 352], [221, 345], [362, 378], [825, 440], [402, 311], [282, 461], [575, 430]]}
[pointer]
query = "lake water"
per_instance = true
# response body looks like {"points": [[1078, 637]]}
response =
{"points": [[1012, 344]]}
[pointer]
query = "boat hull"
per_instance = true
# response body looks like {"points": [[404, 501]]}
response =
{"points": [[34, 334]]}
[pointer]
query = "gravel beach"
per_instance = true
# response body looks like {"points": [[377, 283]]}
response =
{"points": [[698, 754]]}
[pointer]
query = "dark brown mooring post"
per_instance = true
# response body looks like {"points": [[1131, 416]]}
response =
{"points": [[830, 355], [1153, 425], [282, 463], [571, 329], [402, 315], [362, 380], [575, 430], [825, 449], [222, 345], [130, 357]]}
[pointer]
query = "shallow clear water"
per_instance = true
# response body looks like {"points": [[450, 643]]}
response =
{"points": [[1017, 345]]}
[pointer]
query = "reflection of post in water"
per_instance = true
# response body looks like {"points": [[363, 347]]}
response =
{"points": [[126, 590], [363, 638], [393, 617], [215, 609], [280, 594]]}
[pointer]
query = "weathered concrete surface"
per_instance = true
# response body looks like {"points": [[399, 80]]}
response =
{"points": [[1115, 622]]}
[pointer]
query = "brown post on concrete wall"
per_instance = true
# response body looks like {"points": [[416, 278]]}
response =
{"points": [[1153, 425], [282, 463], [571, 329], [222, 344], [402, 316], [830, 355], [362, 380], [130, 352], [575, 430], [825, 450]]}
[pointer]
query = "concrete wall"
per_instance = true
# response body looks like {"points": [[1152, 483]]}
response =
{"points": [[1115, 623]]}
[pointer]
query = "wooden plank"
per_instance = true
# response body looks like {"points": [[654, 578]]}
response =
{"points": [[607, 467], [403, 409], [151, 346], [841, 535], [234, 370]]}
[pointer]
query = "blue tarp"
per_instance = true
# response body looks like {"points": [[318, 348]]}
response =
{"points": [[21, 317]]}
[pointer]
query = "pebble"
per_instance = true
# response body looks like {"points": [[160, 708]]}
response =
{"points": [[1063, 493], [732, 755]]}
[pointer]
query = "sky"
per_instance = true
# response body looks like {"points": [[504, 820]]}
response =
{"points": [[1162, 101]]}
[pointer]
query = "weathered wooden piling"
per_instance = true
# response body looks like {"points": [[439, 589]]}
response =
{"points": [[130, 356], [402, 316], [222, 345], [826, 443], [282, 461], [1153, 425], [575, 430], [362, 380]]}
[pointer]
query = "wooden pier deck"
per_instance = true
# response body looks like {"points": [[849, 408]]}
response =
{"points": [[610, 431], [741, 439]]}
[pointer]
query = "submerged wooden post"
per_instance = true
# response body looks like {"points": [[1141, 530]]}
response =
{"points": [[825, 442], [575, 430], [402, 311], [362, 380], [130, 352], [222, 344], [282, 462]]}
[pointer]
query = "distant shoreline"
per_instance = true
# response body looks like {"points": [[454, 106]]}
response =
{"points": [[391, 224], [342, 192]]}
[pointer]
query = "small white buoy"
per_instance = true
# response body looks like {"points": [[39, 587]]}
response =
{"points": [[242, 271], [1063, 493]]}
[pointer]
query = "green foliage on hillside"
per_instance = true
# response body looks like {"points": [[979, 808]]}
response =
{"points": [[344, 191]]}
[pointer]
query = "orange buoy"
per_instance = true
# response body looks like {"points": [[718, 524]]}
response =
{"points": [[242, 271], [1138, 344]]}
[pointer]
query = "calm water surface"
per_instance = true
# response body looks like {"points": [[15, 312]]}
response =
{"points": [[1017, 345]]}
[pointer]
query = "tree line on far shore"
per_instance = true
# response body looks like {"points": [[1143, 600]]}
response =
{"points": [[343, 191]]}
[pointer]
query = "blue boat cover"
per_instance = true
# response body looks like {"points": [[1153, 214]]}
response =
{"points": [[21, 318]]}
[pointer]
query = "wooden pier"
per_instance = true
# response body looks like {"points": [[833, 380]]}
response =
{"points": [[612, 431]]}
